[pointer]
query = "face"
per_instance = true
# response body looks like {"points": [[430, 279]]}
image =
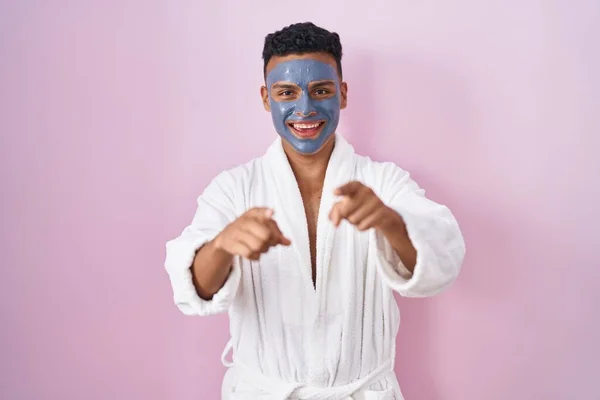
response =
{"points": [[305, 96]]}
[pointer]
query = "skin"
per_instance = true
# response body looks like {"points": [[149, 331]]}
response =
{"points": [[255, 232], [304, 90], [249, 236]]}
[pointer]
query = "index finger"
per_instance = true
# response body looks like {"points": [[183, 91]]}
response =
{"points": [[349, 189], [281, 239], [263, 212]]}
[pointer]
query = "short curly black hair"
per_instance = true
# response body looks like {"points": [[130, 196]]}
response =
{"points": [[302, 38]]}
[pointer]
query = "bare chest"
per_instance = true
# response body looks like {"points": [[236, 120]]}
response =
{"points": [[311, 208]]}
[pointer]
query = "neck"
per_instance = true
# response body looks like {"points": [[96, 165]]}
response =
{"points": [[310, 170]]}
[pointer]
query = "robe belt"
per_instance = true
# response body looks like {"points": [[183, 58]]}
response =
{"points": [[280, 390]]}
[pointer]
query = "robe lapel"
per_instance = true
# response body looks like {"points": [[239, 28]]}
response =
{"points": [[290, 214], [341, 170], [289, 209]]}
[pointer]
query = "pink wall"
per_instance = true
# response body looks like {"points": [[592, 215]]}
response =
{"points": [[115, 114]]}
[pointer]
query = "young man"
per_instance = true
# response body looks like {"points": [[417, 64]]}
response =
{"points": [[305, 245]]}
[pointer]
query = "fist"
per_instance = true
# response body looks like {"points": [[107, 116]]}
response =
{"points": [[360, 206], [251, 235]]}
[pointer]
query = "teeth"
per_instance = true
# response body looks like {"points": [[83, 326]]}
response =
{"points": [[305, 126]]}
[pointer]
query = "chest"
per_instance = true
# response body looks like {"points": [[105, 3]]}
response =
{"points": [[301, 212], [312, 202], [324, 264], [311, 205]]}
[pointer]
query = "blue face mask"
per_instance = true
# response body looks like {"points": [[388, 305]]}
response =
{"points": [[305, 108]]}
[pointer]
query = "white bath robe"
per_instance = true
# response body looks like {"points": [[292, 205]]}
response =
{"points": [[288, 338]]}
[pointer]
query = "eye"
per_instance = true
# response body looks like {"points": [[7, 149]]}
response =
{"points": [[286, 93], [321, 92]]}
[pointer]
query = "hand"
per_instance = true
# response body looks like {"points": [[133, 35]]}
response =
{"points": [[360, 206], [251, 235]]}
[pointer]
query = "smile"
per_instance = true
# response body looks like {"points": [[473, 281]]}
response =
{"points": [[306, 129]]}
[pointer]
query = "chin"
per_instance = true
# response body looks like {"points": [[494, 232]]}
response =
{"points": [[307, 147]]}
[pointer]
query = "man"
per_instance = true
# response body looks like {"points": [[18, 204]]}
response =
{"points": [[305, 245]]}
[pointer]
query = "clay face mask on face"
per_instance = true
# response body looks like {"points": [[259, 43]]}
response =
{"points": [[304, 111]]}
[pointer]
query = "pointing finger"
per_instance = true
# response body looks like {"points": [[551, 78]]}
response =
{"points": [[278, 235], [334, 215], [349, 189]]}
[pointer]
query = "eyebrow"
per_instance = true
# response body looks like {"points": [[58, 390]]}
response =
{"points": [[283, 86], [322, 83]]}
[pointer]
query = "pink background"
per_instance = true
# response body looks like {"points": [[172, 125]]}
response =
{"points": [[114, 115]]}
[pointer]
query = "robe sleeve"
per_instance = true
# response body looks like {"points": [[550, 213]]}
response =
{"points": [[433, 231], [214, 212]]}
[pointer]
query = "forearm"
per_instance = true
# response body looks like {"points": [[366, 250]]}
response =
{"points": [[210, 269], [395, 232]]}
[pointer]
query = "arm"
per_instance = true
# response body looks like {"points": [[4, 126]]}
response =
{"points": [[432, 230], [418, 246], [193, 271], [394, 230], [249, 236], [200, 262], [210, 269]]}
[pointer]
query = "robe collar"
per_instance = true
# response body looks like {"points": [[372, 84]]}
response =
{"points": [[289, 212]]}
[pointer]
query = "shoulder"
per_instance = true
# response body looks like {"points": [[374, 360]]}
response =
{"points": [[386, 178], [379, 173]]}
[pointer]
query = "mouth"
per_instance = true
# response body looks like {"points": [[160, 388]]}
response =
{"points": [[306, 129]]}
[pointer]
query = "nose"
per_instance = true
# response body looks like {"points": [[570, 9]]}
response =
{"points": [[305, 107], [301, 114]]}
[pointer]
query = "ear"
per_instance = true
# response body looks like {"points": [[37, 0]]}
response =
{"points": [[264, 94], [344, 95]]}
